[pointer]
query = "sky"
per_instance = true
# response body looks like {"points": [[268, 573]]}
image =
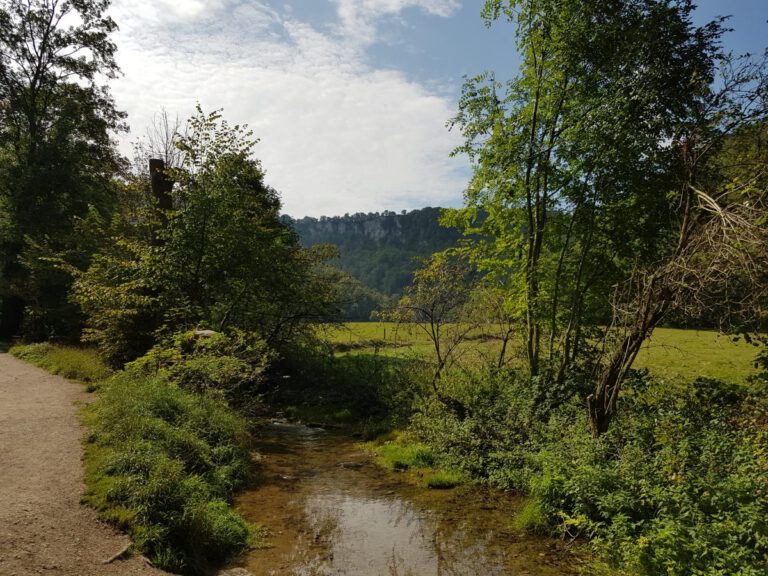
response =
{"points": [[349, 98]]}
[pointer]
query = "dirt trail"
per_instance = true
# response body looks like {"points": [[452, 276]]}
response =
{"points": [[43, 527]]}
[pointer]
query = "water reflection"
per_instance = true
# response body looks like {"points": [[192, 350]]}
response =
{"points": [[327, 515]]}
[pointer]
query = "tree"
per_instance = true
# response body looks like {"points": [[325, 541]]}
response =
{"points": [[224, 258], [718, 263], [583, 176], [56, 121], [435, 303]]}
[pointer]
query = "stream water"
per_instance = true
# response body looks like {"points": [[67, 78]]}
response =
{"points": [[329, 510]]}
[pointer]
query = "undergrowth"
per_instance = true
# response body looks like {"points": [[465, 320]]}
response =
{"points": [[163, 463], [678, 486], [82, 364]]}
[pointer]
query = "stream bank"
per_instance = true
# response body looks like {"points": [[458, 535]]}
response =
{"points": [[328, 510]]}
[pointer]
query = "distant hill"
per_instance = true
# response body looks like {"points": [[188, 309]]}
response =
{"points": [[379, 249]]}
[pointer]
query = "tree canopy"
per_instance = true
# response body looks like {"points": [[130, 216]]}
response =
{"points": [[57, 121], [584, 164], [219, 257]]}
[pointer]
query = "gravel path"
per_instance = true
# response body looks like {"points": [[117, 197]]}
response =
{"points": [[43, 527]]}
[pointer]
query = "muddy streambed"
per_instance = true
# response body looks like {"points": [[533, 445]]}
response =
{"points": [[329, 510]]}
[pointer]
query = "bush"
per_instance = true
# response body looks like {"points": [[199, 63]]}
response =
{"points": [[497, 436], [678, 486], [231, 363], [162, 463]]}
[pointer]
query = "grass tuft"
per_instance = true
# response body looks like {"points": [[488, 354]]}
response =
{"points": [[397, 456], [531, 519], [444, 479]]}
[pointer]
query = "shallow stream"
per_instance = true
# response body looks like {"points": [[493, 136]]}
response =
{"points": [[329, 510]]}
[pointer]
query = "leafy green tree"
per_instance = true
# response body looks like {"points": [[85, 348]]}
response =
{"points": [[573, 166], [435, 303], [219, 258], [58, 157]]}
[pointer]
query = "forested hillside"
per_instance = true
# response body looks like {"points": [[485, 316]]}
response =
{"points": [[380, 249]]}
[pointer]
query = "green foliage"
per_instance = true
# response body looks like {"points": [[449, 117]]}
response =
{"points": [[584, 165], [83, 364], [679, 488], [403, 452], [232, 364], [436, 304], [57, 154], [358, 301], [219, 258], [162, 463], [118, 296], [496, 437]]}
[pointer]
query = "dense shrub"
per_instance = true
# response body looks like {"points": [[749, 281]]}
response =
{"points": [[162, 463], [231, 363], [678, 486], [496, 438]]}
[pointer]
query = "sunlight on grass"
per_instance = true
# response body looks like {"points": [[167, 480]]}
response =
{"points": [[670, 353], [75, 363]]}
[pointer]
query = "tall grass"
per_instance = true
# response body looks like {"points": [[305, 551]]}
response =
{"points": [[82, 364], [163, 464]]}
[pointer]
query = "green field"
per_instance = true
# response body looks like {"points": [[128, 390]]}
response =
{"points": [[670, 353]]}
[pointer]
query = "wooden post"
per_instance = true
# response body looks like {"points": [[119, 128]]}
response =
{"points": [[161, 184], [161, 193]]}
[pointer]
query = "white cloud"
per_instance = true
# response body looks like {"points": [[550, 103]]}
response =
{"points": [[336, 134], [359, 18], [164, 10]]}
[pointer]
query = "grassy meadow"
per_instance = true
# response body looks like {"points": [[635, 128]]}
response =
{"points": [[670, 353]]}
